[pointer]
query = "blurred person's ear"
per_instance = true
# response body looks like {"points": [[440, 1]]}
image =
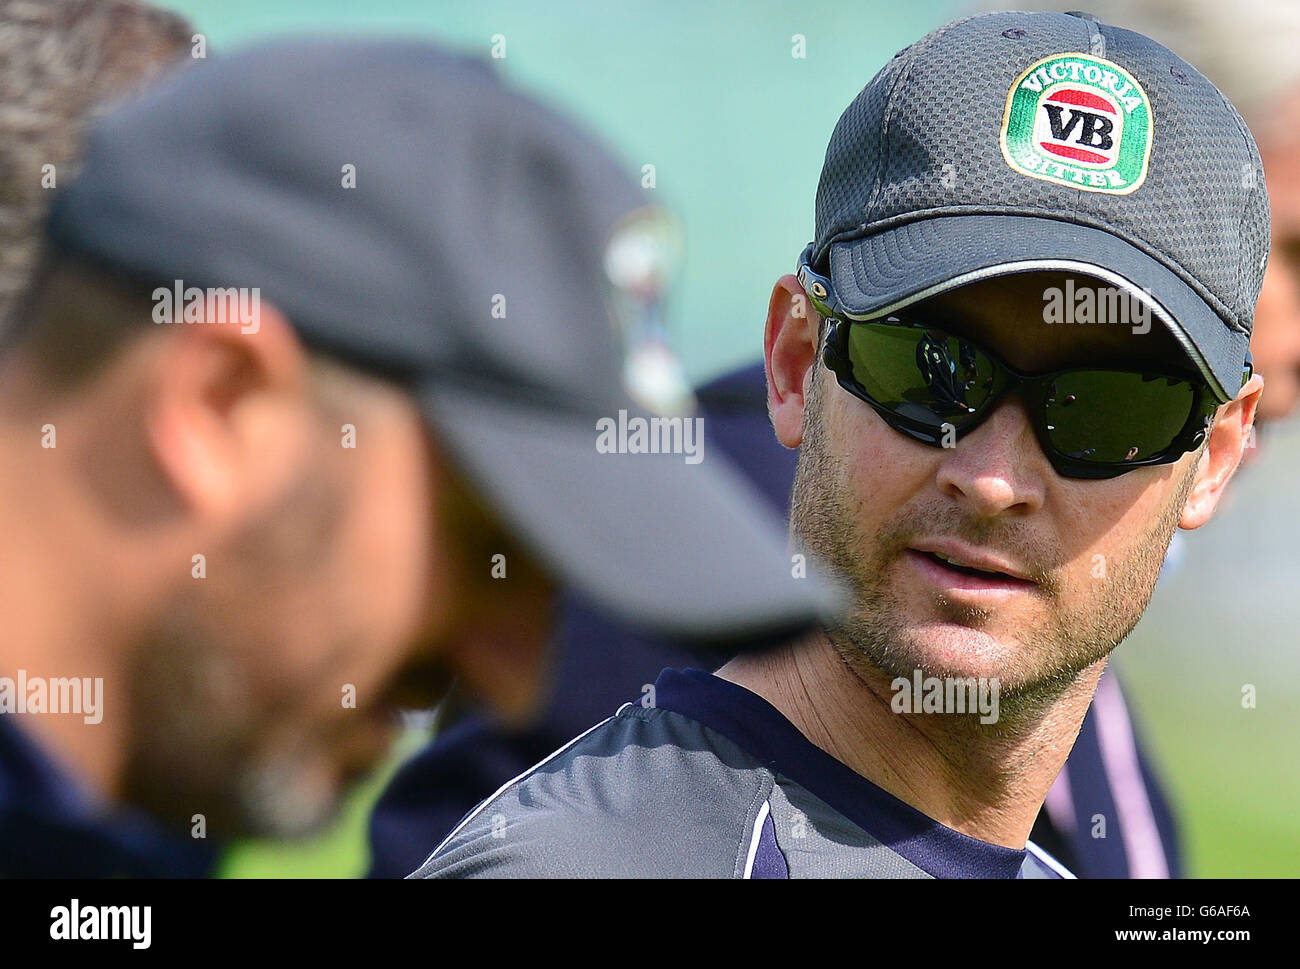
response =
{"points": [[1275, 336], [1230, 435], [790, 342], [228, 414]]}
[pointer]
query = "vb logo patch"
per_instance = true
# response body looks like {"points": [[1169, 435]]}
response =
{"points": [[1079, 121]]}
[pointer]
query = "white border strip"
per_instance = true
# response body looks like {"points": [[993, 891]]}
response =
{"points": [[1049, 861], [754, 837]]}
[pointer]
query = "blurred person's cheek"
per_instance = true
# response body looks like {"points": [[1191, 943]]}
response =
{"points": [[387, 567], [1275, 341], [392, 559], [498, 639], [359, 615]]}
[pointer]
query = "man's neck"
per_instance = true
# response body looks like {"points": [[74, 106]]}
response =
{"points": [[986, 781], [50, 631]]}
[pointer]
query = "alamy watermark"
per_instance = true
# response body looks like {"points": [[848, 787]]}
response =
{"points": [[651, 435], [1095, 304], [215, 304], [947, 694], [75, 922], [77, 695]]}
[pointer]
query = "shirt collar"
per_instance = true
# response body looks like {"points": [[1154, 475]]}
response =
{"points": [[759, 728], [51, 825]]}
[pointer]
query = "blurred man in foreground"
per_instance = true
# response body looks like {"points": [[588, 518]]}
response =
{"points": [[301, 420]]}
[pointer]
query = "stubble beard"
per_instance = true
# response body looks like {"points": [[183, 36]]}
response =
{"points": [[201, 731]]}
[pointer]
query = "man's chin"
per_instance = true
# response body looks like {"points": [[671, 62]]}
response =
{"points": [[279, 802], [951, 650], [291, 795], [1025, 677]]}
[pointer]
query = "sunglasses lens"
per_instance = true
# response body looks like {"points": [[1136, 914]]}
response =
{"points": [[1109, 417], [926, 376], [1097, 417]]}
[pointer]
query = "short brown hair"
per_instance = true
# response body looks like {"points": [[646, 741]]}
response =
{"points": [[61, 61]]}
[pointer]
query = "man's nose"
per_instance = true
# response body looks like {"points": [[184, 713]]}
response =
{"points": [[998, 468]]}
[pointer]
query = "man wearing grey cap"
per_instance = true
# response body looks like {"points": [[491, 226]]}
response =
{"points": [[1014, 359], [301, 421]]}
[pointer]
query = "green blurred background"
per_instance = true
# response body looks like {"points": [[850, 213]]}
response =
{"points": [[710, 94]]}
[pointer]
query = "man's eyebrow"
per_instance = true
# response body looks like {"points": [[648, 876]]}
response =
{"points": [[1139, 352], [943, 315], [1155, 351]]}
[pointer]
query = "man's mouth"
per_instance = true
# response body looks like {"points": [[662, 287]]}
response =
{"points": [[957, 566], [969, 572]]}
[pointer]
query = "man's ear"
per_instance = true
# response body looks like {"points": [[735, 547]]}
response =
{"points": [[1232, 432], [790, 350], [228, 417]]}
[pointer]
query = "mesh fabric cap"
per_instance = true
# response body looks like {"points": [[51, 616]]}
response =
{"points": [[922, 140]]}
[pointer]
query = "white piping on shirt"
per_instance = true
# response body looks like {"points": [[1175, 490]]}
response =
{"points": [[1049, 861], [755, 836]]}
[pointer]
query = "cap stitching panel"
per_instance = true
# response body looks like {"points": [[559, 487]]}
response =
{"points": [[899, 79], [904, 76], [1252, 150], [1241, 259], [1090, 29]]}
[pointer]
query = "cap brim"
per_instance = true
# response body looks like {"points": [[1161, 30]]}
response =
{"points": [[886, 271], [686, 549]]}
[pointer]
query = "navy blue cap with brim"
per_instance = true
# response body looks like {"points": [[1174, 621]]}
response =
{"points": [[1019, 141]]}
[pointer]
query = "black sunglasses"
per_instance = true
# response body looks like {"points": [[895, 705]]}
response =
{"points": [[1091, 422]]}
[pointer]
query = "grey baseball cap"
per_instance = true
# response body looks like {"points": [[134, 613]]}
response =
{"points": [[1009, 142], [411, 214]]}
